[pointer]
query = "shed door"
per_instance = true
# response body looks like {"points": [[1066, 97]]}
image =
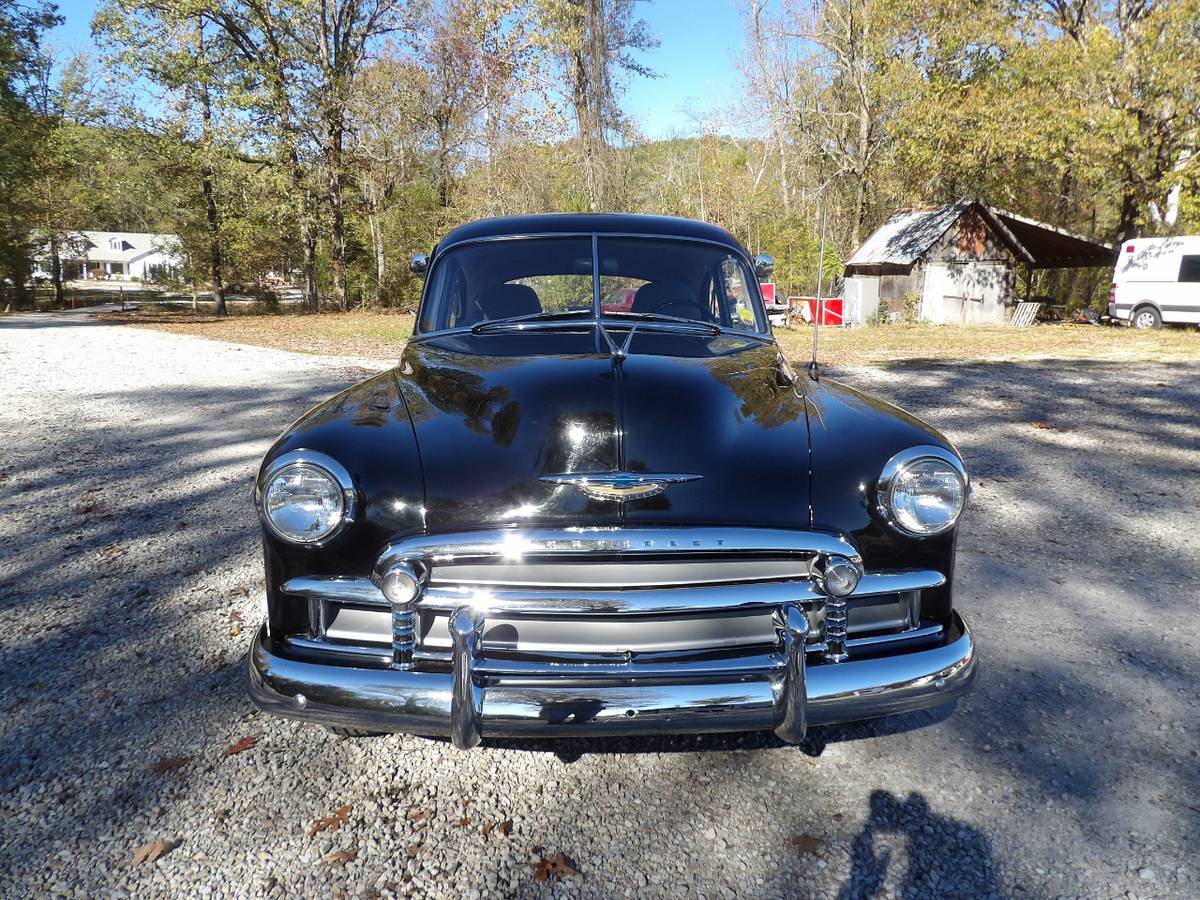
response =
{"points": [[967, 293]]}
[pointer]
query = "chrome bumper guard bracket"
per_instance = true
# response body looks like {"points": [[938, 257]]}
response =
{"points": [[465, 706]]}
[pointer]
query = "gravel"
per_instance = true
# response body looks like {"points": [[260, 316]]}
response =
{"points": [[130, 582]]}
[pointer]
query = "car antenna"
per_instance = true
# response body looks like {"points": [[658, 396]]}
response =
{"points": [[820, 304]]}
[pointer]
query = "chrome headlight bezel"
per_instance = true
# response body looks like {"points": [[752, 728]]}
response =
{"points": [[897, 466], [328, 467]]}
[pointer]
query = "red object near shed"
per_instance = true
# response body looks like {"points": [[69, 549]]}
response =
{"points": [[831, 309]]}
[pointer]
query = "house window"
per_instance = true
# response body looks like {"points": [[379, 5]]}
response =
{"points": [[1189, 268]]}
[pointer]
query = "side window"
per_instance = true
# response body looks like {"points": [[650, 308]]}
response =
{"points": [[1189, 268], [737, 292]]}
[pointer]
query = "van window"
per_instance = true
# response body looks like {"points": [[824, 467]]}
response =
{"points": [[1189, 269]]}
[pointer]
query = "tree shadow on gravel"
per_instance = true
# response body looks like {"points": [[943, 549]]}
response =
{"points": [[127, 604], [945, 857]]}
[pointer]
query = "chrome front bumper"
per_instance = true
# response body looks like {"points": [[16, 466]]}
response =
{"points": [[466, 705]]}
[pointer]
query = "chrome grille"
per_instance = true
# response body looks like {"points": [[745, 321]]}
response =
{"points": [[608, 599]]}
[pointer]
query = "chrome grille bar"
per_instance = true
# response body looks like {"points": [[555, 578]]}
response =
{"points": [[653, 601], [650, 602], [513, 576], [619, 541]]}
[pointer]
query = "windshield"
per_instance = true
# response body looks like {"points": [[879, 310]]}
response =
{"points": [[640, 278]]}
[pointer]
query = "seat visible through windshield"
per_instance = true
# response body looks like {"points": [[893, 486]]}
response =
{"points": [[526, 277]]}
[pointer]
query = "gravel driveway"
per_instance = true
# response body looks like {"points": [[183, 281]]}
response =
{"points": [[130, 583]]}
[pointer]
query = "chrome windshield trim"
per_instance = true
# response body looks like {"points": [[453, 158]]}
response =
{"points": [[764, 334], [517, 544]]}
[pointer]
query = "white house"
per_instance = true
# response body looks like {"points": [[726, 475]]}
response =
{"points": [[120, 255]]}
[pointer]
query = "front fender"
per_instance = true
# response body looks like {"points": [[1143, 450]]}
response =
{"points": [[367, 429], [852, 436]]}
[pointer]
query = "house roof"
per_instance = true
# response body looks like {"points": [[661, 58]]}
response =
{"points": [[1055, 248], [903, 238], [908, 234], [96, 246]]}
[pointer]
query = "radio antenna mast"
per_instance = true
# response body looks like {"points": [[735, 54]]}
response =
{"points": [[820, 304]]}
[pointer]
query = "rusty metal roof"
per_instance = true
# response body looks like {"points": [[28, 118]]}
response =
{"points": [[908, 235]]}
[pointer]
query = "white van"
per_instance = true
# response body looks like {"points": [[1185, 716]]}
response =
{"points": [[1157, 280]]}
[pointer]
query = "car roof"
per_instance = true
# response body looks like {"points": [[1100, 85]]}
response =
{"points": [[586, 223]]}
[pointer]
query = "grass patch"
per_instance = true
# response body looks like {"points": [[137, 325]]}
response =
{"points": [[382, 335], [378, 335]]}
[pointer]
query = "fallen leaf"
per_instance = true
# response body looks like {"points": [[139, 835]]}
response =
{"points": [[414, 849], [506, 827], [839, 818], [340, 857], [464, 822], [152, 851], [241, 746], [487, 829], [235, 630], [558, 864], [90, 505], [173, 764], [416, 814], [333, 823], [1044, 426], [112, 551], [806, 844]]}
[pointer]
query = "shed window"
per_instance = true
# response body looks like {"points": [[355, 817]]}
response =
{"points": [[1189, 268]]}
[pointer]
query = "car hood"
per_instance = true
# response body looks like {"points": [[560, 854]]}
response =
{"points": [[495, 413]]}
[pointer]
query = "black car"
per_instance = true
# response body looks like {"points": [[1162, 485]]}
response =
{"points": [[551, 518]]}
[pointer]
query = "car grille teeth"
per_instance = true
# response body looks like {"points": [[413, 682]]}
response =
{"points": [[403, 637], [835, 629]]}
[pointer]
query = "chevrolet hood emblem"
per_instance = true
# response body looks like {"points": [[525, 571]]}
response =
{"points": [[619, 485]]}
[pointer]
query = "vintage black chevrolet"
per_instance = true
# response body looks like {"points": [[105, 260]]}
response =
{"points": [[593, 498]]}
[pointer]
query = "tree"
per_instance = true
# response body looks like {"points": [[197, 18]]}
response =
{"points": [[22, 28], [594, 41]]}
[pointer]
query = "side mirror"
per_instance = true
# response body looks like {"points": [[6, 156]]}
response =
{"points": [[764, 265], [418, 264]]}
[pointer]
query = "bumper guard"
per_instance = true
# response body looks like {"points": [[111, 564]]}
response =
{"points": [[466, 706]]}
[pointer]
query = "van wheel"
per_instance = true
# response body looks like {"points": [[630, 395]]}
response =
{"points": [[1146, 317]]}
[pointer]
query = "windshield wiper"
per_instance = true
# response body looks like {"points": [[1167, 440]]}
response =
{"points": [[564, 317], [650, 318]]}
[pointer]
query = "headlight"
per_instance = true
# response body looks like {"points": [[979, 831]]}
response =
{"points": [[306, 497], [922, 491]]}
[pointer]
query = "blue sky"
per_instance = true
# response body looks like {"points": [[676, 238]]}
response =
{"points": [[695, 62]]}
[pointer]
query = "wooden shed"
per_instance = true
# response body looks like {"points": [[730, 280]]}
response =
{"points": [[957, 264]]}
